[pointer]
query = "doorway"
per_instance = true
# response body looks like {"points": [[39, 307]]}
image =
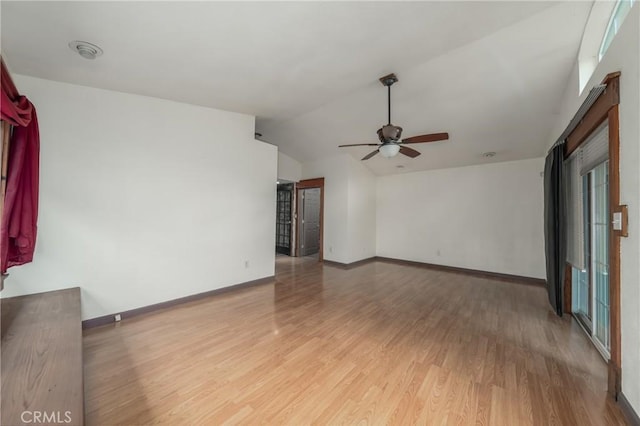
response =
{"points": [[300, 218], [284, 218], [597, 279]]}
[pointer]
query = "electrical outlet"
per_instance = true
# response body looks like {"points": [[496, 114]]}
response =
{"points": [[118, 317], [246, 264], [330, 249], [438, 253]]}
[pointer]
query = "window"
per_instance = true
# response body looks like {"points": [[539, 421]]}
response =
{"points": [[605, 20], [620, 11]]}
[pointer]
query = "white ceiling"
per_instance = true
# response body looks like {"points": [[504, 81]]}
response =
{"points": [[489, 73]]}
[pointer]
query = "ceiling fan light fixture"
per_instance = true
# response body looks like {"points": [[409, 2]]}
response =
{"points": [[389, 150]]}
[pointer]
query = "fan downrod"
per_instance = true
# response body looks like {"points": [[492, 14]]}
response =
{"points": [[388, 81]]}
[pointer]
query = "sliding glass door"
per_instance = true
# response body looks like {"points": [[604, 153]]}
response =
{"points": [[591, 284]]}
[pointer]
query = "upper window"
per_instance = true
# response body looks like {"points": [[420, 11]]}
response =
{"points": [[620, 11]]}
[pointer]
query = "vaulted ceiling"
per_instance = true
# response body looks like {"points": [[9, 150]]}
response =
{"points": [[489, 73]]}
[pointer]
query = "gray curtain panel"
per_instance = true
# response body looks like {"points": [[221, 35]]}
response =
{"points": [[555, 225]]}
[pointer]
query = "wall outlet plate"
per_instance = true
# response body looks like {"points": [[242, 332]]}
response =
{"points": [[117, 317]]}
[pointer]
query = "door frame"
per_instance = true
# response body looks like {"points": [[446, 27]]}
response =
{"points": [[606, 107], [307, 184]]}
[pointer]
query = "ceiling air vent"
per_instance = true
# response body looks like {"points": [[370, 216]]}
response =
{"points": [[86, 50]]}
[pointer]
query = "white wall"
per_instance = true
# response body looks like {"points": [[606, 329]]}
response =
{"points": [[288, 168], [349, 207], [145, 200], [623, 55], [486, 217], [336, 175], [361, 214]]}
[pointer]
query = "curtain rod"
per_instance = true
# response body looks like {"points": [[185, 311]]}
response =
{"points": [[594, 94]]}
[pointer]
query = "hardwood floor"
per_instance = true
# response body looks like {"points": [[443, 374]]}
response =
{"points": [[381, 344], [41, 359]]}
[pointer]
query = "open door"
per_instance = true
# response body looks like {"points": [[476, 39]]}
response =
{"points": [[310, 217], [309, 221]]}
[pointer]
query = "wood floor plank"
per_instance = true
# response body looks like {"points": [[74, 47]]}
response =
{"points": [[41, 358], [378, 344]]}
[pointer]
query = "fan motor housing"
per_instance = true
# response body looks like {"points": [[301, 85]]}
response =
{"points": [[389, 133]]}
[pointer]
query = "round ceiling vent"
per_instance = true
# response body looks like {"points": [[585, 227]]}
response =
{"points": [[86, 50]]}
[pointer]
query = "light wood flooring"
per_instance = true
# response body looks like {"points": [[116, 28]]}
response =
{"points": [[378, 344]]}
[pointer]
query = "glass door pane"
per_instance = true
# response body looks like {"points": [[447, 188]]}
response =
{"points": [[600, 252], [580, 285], [582, 280]]}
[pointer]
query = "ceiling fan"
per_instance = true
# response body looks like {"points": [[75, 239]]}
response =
{"points": [[389, 134]]}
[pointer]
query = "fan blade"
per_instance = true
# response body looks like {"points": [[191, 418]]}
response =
{"points": [[370, 155], [359, 144], [409, 152], [433, 137]]}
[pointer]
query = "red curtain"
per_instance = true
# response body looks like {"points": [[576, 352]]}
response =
{"points": [[20, 213]]}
